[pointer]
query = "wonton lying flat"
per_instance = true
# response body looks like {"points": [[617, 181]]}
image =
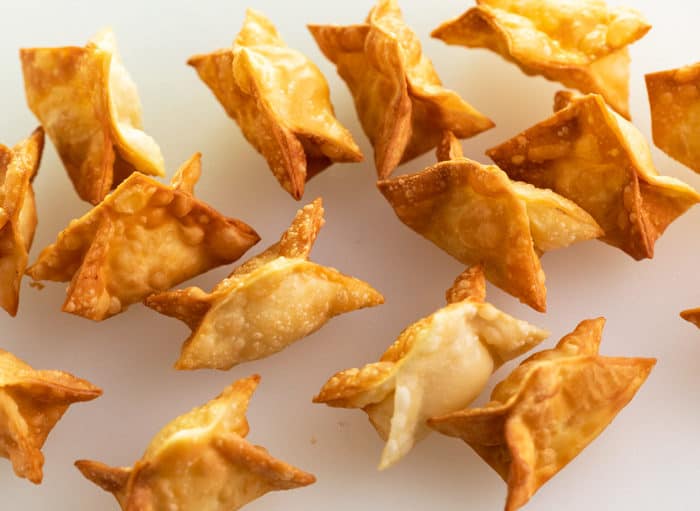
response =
{"points": [[200, 461], [476, 214], [592, 156], [145, 237], [18, 166], [89, 106], [692, 315], [399, 98], [674, 98], [548, 410], [437, 365], [266, 304], [280, 100], [579, 43], [31, 403]]}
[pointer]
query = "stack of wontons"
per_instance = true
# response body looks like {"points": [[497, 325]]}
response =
{"points": [[586, 172]]}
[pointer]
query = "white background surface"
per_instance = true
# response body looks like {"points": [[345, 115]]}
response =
{"points": [[646, 460]]}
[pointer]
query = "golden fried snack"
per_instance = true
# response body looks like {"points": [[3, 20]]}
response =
{"points": [[548, 410], [89, 106], [692, 315], [31, 403], [398, 95], [581, 44], [674, 98], [266, 304], [18, 166], [438, 365], [594, 157], [477, 215], [145, 237], [280, 100], [200, 461]]}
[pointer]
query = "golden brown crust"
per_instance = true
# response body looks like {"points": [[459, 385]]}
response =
{"points": [[674, 99], [398, 96], [477, 215], [89, 107], [143, 238], [582, 45], [440, 362], [602, 163], [692, 315], [31, 403], [532, 428], [281, 102], [18, 218], [272, 300], [200, 460]]}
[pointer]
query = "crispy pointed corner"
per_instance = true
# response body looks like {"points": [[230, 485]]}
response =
{"points": [[18, 216], [111, 479], [692, 315], [531, 428], [188, 174], [299, 238], [189, 305], [469, 285], [674, 101], [342, 388], [449, 147]]}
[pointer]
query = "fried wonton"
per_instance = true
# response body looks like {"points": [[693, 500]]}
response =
{"points": [[398, 95], [548, 410], [692, 315], [18, 166], [266, 304], [280, 100], [674, 98], [90, 108], [31, 403], [591, 155], [200, 461], [579, 43], [477, 215], [437, 365], [145, 237]]}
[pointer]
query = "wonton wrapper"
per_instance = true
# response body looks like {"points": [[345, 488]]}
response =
{"points": [[674, 98], [548, 410], [145, 237], [437, 365], [692, 315], [280, 100], [594, 157], [89, 106], [18, 218], [31, 403], [269, 302], [477, 215], [200, 461], [398, 96], [579, 43]]}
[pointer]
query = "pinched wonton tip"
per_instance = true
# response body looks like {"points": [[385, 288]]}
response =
{"points": [[674, 98], [581, 44], [199, 461], [398, 95], [692, 315], [18, 218], [477, 214], [281, 102], [266, 304], [89, 106], [548, 410], [145, 237], [597, 159], [31, 403], [437, 365]]}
